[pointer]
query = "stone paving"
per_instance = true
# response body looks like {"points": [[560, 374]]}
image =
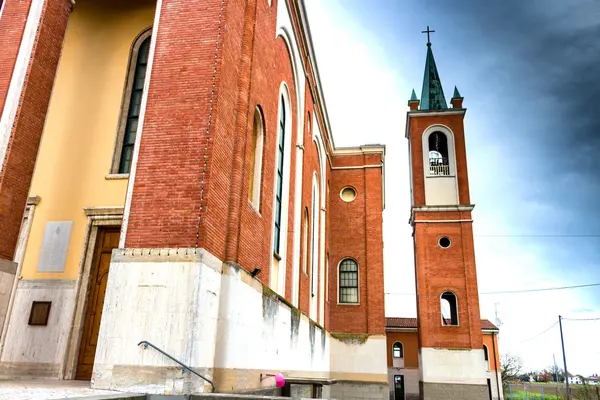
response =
{"points": [[42, 389]]}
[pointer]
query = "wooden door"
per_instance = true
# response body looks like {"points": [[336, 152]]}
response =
{"points": [[107, 240]]}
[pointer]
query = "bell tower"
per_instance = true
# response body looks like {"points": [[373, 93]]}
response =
{"points": [[451, 357]]}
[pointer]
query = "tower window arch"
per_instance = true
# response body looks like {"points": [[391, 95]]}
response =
{"points": [[256, 158], [397, 350], [486, 356], [131, 104], [449, 307], [439, 162], [348, 281]]}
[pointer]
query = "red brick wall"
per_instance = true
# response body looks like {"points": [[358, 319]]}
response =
{"points": [[12, 26], [356, 232], [451, 269], [170, 172], [21, 153], [166, 194]]}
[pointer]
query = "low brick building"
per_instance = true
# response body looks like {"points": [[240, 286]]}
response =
{"points": [[403, 358]]}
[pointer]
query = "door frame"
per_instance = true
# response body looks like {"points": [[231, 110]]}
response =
{"points": [[402, 376], [98, 217]]}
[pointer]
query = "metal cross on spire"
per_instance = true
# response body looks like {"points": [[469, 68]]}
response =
{"points": [[428, 31]]}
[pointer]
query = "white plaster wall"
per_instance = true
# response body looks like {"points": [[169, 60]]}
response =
{"points": [[255, 332], [172, 304], [440, 191], [411, 380], [353, 357], [453, 366], [6, 283], [39, 344], [496, 381]]}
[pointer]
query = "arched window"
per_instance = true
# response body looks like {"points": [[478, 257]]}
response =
{"points": [[438, 154], [348, 281], [314, 257], [131, 106], [256, 159], [305, 242], [398, 350], [486, 357], [449, 307], [279, 175]]}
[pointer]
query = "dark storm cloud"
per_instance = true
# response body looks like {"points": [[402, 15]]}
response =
{"points": [[530, 74]]}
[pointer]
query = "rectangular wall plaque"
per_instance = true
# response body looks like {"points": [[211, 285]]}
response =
{"points": [[40, 311], [55, 244]]}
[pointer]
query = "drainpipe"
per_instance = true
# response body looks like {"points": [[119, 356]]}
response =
{"points": [[495, 364]]}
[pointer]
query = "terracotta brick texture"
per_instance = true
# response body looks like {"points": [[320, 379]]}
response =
{"points": [[21, 153], [438, 269], [233, 44]]}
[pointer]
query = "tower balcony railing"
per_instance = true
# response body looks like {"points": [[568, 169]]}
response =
{"points": [[439, 167]]}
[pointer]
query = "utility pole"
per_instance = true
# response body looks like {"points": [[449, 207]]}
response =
{"points": [[562, 342]]}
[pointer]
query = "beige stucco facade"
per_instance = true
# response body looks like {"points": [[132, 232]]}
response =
{"points": [[76, 153]]}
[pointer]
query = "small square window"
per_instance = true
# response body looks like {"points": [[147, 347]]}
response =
{"points": [[40, 311]]}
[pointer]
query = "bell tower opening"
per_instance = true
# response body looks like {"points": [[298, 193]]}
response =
{"points": [[439, 164]]}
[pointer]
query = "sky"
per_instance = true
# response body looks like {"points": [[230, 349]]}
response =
{"points": [[528, 71]]}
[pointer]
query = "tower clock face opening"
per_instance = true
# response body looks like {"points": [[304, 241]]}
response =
{"points": [[444, 242]]}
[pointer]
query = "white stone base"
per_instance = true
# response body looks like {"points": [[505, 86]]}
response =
{"points": [[38, 350], [458, 366], [218, 320], [169, 298]]}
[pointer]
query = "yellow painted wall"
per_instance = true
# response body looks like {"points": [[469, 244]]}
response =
{"points": [[78, 142]]}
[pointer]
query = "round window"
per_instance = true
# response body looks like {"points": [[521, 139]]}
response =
{"points": [[444, 242], [348, 194]]}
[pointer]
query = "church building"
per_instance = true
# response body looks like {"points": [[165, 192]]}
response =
{"points": [[170, 179], [176, 218]]}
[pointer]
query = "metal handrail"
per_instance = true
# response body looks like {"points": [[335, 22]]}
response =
{"points": [[146, 344]]}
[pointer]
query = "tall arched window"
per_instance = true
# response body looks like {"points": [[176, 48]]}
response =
{"points": [[449, 306], [486, 356], [397, 350], [438, 154], [256, 159], [314, 257], [131, 106], [279, 176], [305, 242], [348, 281]]}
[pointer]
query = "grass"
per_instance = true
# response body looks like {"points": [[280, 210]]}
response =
{"points": [[521, 395]]}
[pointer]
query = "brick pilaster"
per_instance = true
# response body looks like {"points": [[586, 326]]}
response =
{"points": [[26, 132]]}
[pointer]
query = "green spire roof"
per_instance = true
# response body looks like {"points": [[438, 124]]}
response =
{"points": [[456, 94], [432, 95], [413, 96]]}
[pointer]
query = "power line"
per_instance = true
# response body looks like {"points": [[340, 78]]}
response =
{"points": [[543, 289], [507, 291], [541, 333], [517, 235], [581, 319]]}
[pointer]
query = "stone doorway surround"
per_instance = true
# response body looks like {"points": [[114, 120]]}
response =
{"points": [[97, 217]]}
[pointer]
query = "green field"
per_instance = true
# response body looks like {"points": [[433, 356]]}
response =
{"points": [[521, 395]]}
